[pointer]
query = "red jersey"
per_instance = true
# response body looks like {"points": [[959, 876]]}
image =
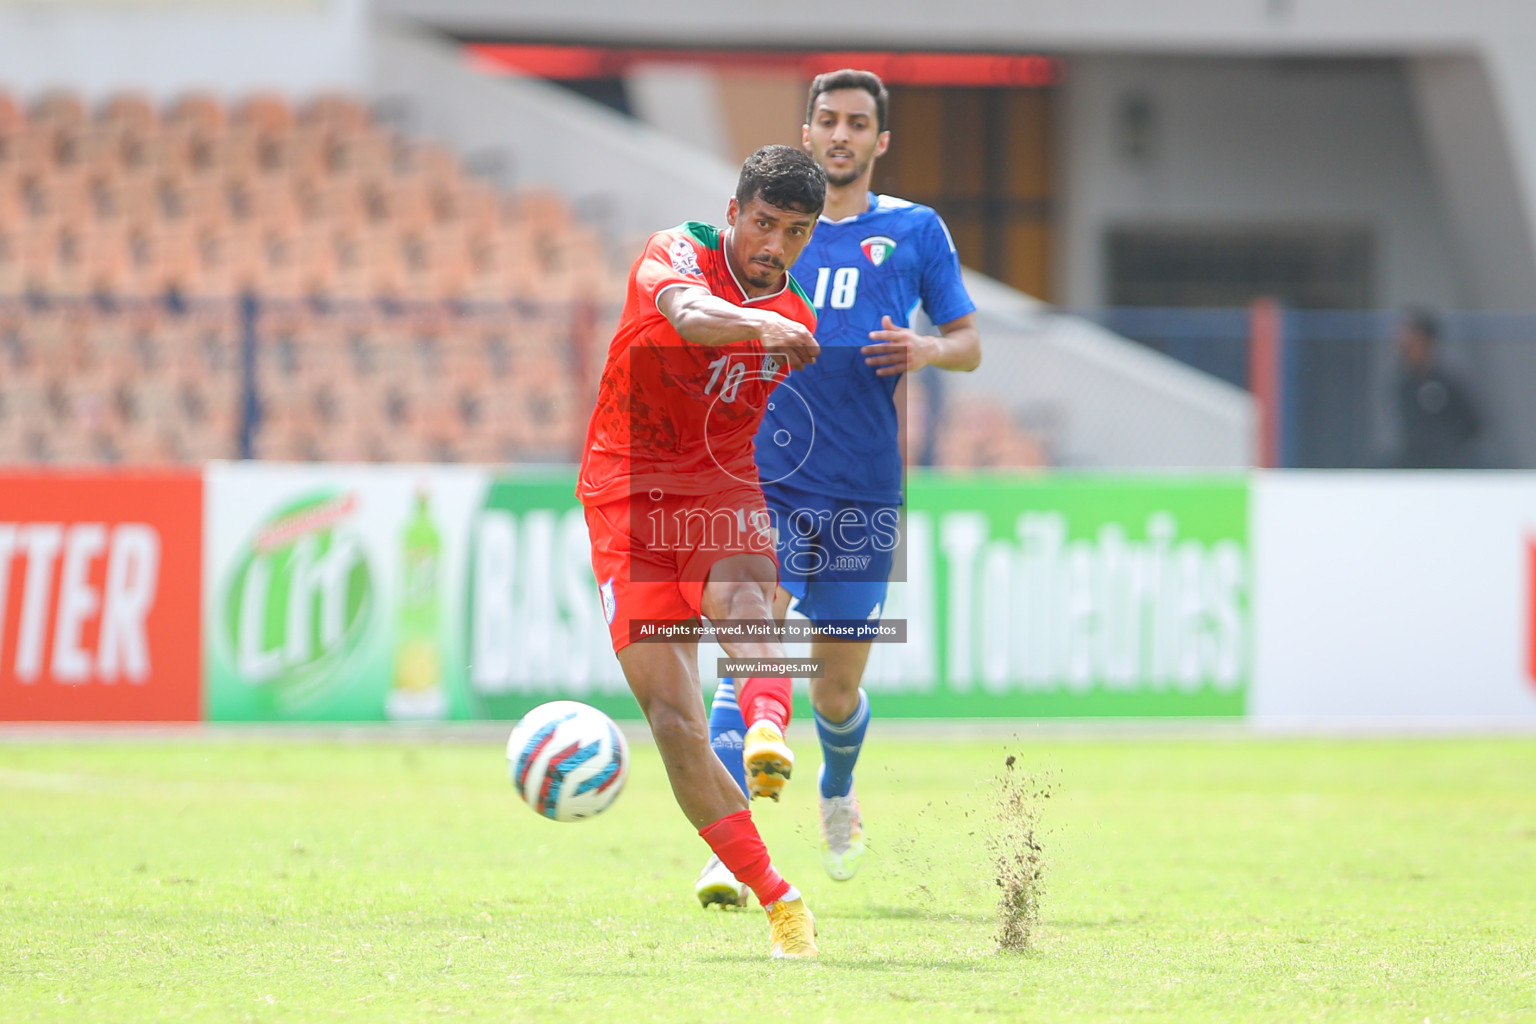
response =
{"points": [[672, 414]]}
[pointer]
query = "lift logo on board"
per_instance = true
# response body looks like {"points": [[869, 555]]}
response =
{"points": [[300, 598]]}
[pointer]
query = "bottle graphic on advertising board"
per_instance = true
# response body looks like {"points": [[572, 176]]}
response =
{"points": [[417, 692]]}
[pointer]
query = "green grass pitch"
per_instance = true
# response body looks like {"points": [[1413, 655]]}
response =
{"points": [[1198, 878]]}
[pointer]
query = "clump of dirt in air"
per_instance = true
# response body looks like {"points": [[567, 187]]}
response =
{"points": [[1018, 857]]}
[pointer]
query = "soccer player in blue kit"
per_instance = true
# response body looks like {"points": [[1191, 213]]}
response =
{"points": [[828, 452]]}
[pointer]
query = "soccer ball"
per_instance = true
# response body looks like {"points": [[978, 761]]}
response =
{"points": [[568, 761]]}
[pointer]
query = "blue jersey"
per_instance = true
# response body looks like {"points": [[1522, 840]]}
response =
{"points": [[831, 428]]}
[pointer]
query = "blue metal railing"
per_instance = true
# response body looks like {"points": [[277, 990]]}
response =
{"points": [[1335, 405], [1339, 369]]}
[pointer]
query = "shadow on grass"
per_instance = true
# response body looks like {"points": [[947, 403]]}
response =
{"points": [[831, 960], [1105, 922], [910, 964], [901, 914]]}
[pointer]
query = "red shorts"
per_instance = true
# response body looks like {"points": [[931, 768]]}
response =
{"points": [[652, 553]]}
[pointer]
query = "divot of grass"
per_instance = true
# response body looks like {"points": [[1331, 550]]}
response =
{"points": [[1018, 857]]}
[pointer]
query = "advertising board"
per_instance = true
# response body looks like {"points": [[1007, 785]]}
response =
{"points": [[99, 594], [1395, 598], [1081, 597], [333, 592]]}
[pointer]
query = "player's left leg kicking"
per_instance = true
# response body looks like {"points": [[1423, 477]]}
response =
{"points": [[841, 706], [739, 750], [680, 582], [842, 716], [756, 754]]}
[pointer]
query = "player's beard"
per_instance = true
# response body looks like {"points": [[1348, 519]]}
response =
{"points": [[849, 177], [846, 178], [768, 276]]}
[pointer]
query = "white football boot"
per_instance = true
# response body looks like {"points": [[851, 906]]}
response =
{"points": [[842, 834], [716, 884]]}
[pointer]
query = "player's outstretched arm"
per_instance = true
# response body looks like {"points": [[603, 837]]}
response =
{"points": [[902, 350], [705, 319]]}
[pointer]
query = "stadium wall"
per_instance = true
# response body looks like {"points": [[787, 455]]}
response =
{"points": [[166, 49], [1255, 144], [269, 592], [1493, 37], [629, 178], [1413, 154]]}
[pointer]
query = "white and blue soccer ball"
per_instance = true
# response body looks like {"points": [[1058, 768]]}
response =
{"points": [[568, 761]]}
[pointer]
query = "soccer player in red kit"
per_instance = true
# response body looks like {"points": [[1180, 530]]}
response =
{"points": [[679, 528]]}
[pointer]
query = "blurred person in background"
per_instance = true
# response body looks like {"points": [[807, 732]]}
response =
{"points": [[1437, 417]]}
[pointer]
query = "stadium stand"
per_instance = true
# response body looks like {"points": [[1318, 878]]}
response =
{"points": [[407, 311]]}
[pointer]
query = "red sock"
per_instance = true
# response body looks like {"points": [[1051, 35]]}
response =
{"points": [[735, 841], [765, 698]]}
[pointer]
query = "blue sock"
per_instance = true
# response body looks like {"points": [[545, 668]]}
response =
{"points": [[727, 731], [840, 745]]}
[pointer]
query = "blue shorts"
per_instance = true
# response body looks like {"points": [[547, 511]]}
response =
{"points": [[835, 554]]}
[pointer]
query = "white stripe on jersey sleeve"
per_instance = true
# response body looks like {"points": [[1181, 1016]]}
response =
{"points": [[945, 228]]}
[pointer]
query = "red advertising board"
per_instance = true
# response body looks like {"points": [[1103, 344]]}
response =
{"points": [[100, 596], [1530, 610]]}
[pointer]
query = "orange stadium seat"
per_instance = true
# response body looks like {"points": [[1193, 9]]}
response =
{"points": [[265, 113], [12, 117], [336, 111], [147, 223], [129, 113]]}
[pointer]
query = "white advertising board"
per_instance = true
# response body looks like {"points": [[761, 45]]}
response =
{"points": [[1394, 599]]}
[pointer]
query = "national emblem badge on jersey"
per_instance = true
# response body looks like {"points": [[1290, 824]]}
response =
{"points": [[878, 248], [684, 259]]}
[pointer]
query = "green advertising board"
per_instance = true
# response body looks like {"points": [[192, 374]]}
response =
{"points": [[535, 630], [333, 594], [1070, 596], [1036, 597], [377, 593]]}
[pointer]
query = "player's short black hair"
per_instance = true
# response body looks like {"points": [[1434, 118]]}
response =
{"points": [[785, 177], [850, 78]]}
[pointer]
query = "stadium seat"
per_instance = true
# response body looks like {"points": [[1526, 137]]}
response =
{"points": [[409, 311]]}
